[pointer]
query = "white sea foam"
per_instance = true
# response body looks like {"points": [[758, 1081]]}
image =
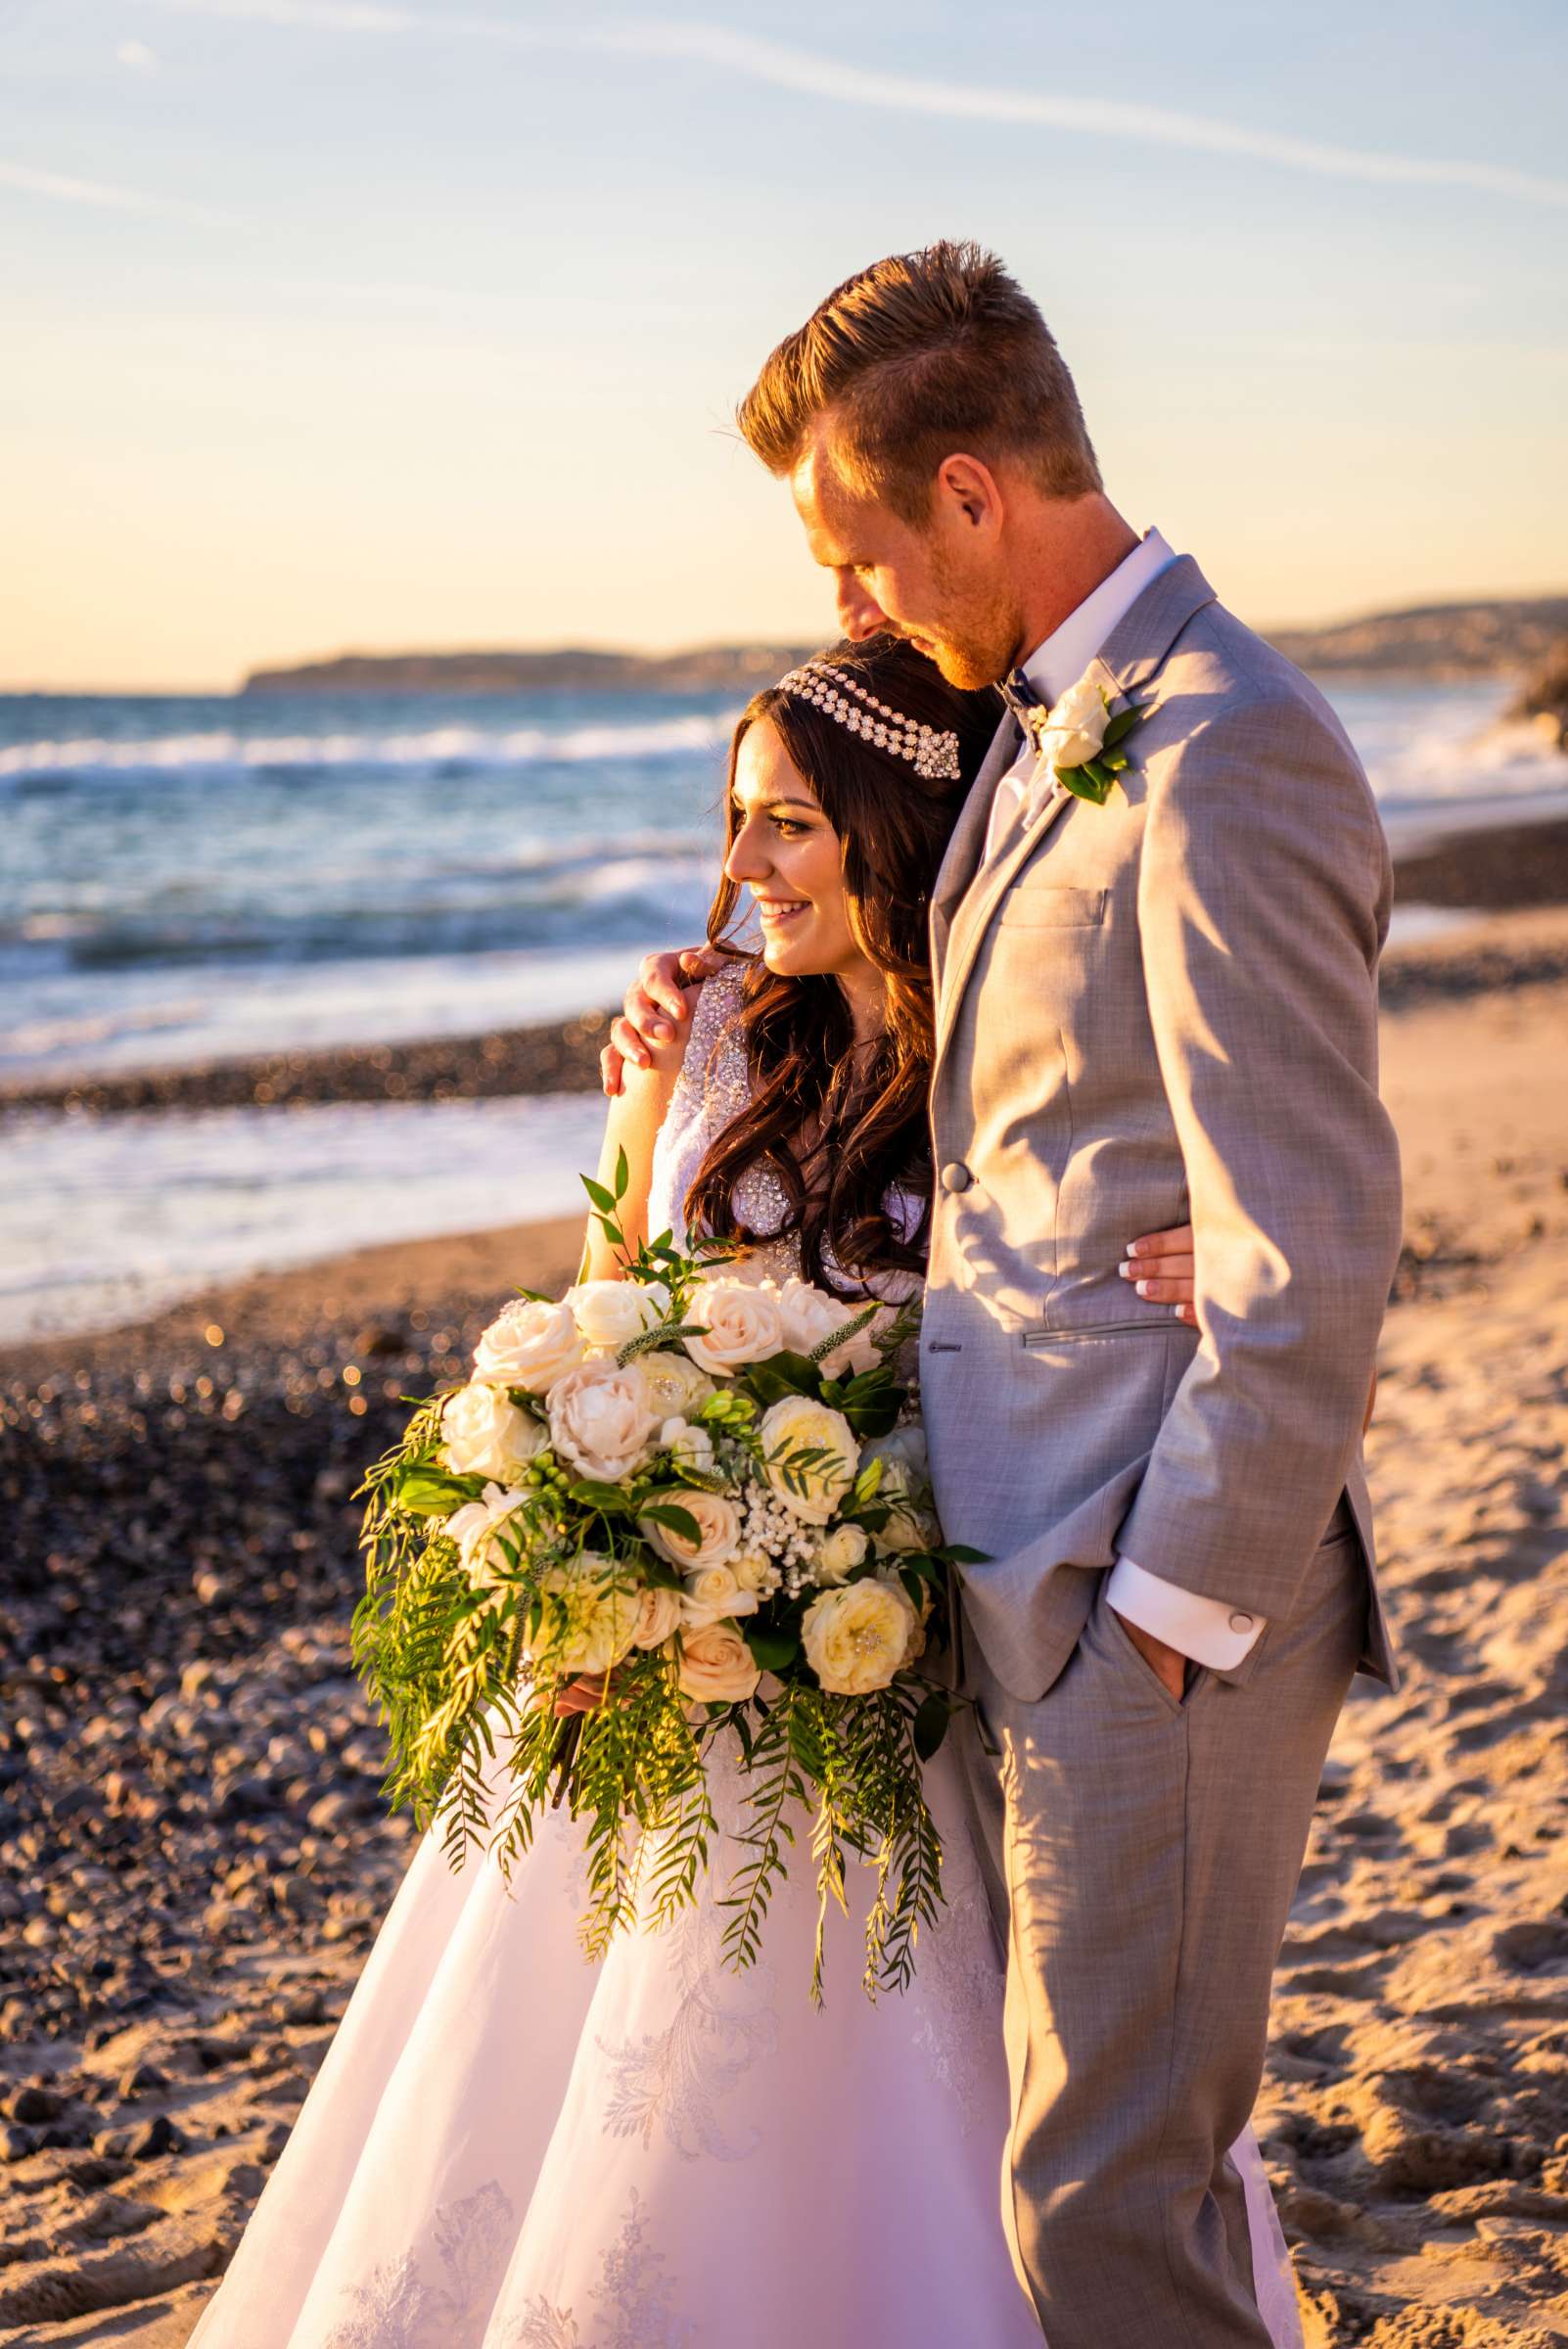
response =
{"points": [[103, 1220], [230, 750]]}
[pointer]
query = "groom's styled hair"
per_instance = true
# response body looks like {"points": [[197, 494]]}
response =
{"points": [[920, 355]]}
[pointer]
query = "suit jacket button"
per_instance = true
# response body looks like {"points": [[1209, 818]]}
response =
{"points": [[957, 1176], [1240, 1622]]}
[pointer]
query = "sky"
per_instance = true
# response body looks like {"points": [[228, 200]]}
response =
{"points": [[360, 327]]}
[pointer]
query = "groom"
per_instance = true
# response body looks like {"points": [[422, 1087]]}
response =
{"points": [[1152, 1006]]}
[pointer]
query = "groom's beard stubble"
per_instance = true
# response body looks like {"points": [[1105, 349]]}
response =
{"points": [[973, 638]]}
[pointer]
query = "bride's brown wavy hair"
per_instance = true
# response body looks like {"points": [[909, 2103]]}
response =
{"points": [[867, 1125]]}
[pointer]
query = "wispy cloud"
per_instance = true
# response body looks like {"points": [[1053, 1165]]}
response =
{"points": [[843, 84], [62, 188]]}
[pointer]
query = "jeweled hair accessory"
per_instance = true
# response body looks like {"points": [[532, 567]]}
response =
{"points": [[933, 754]]}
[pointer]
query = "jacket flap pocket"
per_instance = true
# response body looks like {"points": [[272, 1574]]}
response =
{"points": [[1041, 905]]}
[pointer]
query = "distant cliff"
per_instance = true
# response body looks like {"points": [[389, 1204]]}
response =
{"points": [[711, 668], [1435, 640]]}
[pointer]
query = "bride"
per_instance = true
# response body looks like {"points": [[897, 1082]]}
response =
{"points": [[509, 2149]]}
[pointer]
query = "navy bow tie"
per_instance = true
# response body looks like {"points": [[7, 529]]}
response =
{"points": [[1023, 701]]}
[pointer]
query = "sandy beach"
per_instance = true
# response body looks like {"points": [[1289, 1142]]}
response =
{"points": [[193, 1859]]}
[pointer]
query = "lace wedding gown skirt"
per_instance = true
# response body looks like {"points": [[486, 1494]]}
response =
{"points": [[507, 2147]]}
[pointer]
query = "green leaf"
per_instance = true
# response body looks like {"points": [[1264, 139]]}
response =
{"points": [[1085, 784], [783, 1374], [622, 1176], [1121, 726], [609, 1499], [428, 1493], [931, 1724], [605, 1201], [771, 1650], [845, 1332], [674, 1518]]}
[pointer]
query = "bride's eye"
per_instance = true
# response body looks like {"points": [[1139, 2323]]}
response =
{"points": [[788, 827]]}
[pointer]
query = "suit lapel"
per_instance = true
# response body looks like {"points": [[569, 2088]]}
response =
{"points": [[968, 891], [968, 843], [973, 918]]}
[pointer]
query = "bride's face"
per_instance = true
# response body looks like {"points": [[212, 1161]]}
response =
{"points": [[789, 856]]}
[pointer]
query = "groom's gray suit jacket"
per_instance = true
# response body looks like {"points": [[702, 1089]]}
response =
{"points": [[1161, 1008]]}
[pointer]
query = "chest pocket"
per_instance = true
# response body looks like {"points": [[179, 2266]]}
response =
{"points": [[1040, 905]]}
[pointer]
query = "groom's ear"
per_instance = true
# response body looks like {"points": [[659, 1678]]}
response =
{"points": [[966, 494]]}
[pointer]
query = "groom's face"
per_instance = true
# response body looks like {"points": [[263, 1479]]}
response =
{"points": [[938, 585]]}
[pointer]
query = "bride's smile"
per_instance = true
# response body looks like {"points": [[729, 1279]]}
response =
{"points": [[784, 852]]}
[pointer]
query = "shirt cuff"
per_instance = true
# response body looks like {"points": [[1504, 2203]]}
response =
{"points": [[1204, 1629]]}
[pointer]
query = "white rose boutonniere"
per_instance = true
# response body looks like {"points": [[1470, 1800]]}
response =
{"points": [[1080, 739]]}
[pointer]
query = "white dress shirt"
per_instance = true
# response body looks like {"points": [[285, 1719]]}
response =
{"points": [[1205, 1628]]}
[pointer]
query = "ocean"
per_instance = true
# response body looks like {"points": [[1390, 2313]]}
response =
{"points": [[188, 878]]}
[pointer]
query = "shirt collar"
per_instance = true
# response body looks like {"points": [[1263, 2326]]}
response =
{"points": [[1067, 652]]}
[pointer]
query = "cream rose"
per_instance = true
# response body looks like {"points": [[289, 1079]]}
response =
{"points": [[485, 1434], [1075, 729], [797, 1424], [658, 1617], [474, 1528], [717, 1523], [600, 1420], [716, 1665], [739, 1323], [755, 1571], [589, 1617], [714, 1594], [809, 1315], [856, 1638], [687, 1446], [609, 1314], [839, 1553], [676, 1387], [530, 1344]]}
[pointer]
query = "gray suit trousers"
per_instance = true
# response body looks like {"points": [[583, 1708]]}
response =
{"points": [[1141, 1856]]}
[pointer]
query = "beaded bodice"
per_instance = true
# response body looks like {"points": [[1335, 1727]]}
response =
{"points": [[712, 1091]]}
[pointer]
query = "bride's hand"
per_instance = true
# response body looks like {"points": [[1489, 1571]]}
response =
{"points": [[1161, 1264], [655, 1009], [585, 1696]]}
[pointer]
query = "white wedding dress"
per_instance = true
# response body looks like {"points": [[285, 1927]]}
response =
{"points": [[507, 2147]]}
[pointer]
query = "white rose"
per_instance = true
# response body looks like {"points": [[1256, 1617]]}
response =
{"points": [[717, 1523], [676, 1387], [600, 1420], [795, 1424], [716, 1665], [474, 1528], [609, 1314], [485, 1434], [809, 1315], [689, 1447], [530, 1344], [755, 1571], [839, 1553], [856, 1638], [657, 1618], [739, 1323], [589, 1618], [714, 1594], [1075, 729]]}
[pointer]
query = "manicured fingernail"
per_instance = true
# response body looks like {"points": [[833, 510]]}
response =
{"points": [[1135, 1247], [1180, 1312], [1144, 1287], [1127, 1271]]}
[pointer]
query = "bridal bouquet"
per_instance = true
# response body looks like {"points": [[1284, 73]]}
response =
{"points": [[707, 1496]]}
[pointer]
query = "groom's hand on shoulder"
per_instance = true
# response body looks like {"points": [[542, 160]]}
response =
{"points": [[657, 1007]]}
